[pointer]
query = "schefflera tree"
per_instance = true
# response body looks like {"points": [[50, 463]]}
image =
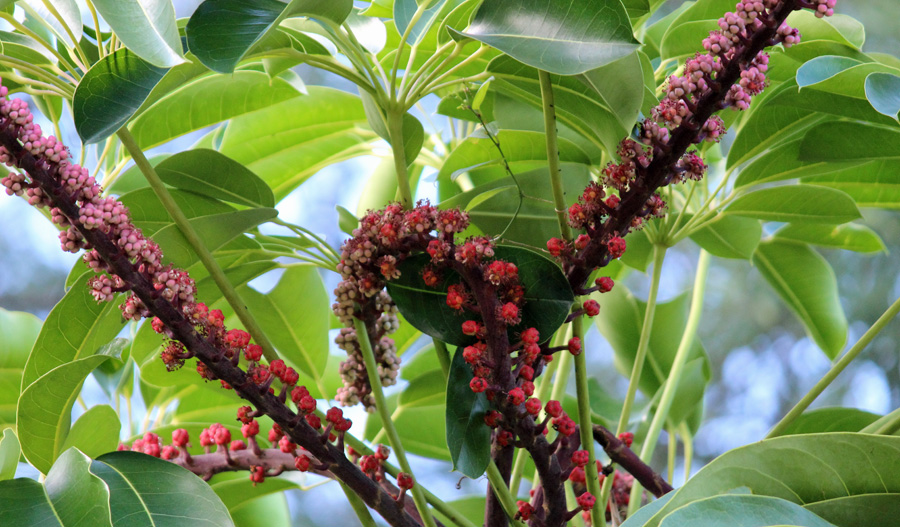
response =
{"points": [[177, 238]]}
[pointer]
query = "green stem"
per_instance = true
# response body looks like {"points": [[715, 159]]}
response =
{"points": [[835, 370], [559, 197], [24, 30], [672, 454], [437, 80], [356, 503], [507, 501], [184, 225], [598, 514], [688, 439], [443, 356], [412, 22], [101, 51], [395, 132], [659, 255], [886, 425], [85, 63], [362, 338], [423, 70]]}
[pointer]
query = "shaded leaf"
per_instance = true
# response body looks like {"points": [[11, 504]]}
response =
{"points": [[830, 420], [18, 332], [422, 429], [806, 283], [574, 36], [729, 236], [111, 92], [547, 296], [883, 93], [849, 237], [796, 203], [146, 27], [96, 432], [413, 133], [742, 510], [9, 454], [427, 389], [850, 141], [212, 174], [873, 184], [44, 411], [468, 438]]}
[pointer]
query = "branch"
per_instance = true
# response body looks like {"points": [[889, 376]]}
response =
{"points": [[619, 453]]}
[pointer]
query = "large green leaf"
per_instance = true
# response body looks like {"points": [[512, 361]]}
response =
{"points": [[17, 46], [69, 13], [111, 92], [295, 316], [850, 141], [729, 236], [808, 470], [222, 96], [10, 451], [849, 237], [212, 174], [796, 203], [573, 36], [76, 328], [836, 419], [145, 490], [468, 438], [783, 162], [242, 497], [146, 27], [45, 407], [806, 283], [422, 429], [287, 143], [547, 296], [823, 68], [742, 510], [18, 332], [77, 496], [404, 10], [96, 432], [872, 184], [149, 214]]}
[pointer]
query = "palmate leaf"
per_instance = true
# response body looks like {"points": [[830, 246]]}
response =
{"points": [[547, 297]]}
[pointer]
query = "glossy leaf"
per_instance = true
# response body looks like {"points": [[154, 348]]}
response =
{"points": [[212, 174], [96, 432], [850, 141], [796, 203], [76, 328], [806, 283], [145, 490], [287, 143], [239, 23], [18, 332], [78, 497], [806, 469], [873, 184], [146, 27], [295, 316], [223, 96], [110, 93], [742, 510], [729, 236], [468, 438], [547, 296], [574, 36], [822, 68], [404, 10], [43, 415], [71, 17], [25, 48], [883, 93], [782, 162], [830, 420], [849, 237], [9, 454], [149, 215]]}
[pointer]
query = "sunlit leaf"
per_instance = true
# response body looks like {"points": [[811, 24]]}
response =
{"points": [[146, 27]]}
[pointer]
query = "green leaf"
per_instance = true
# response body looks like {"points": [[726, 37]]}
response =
{"points": [[806, 283], [413, 133], [873, 184], [639, 518], [240, 23], [237, 494], [850, 141], [266, 511], [146, 27], [547, 296], [427, 389], [78, 497], [25, 48], [70, 14], [468, 438], [741, 510], [836, 419], [18, 332], [807, 469], [287, 143], [145, 490], [77, 327], [883, 93], [849, 237], [45, 407], [796, 203], [381, 187], [405, 9], [24, 502], [729, 236], [9, 454], [96, 432], [296, 323], [822, 68], [783, 162], [859, 511], [214, 231], [149, 214], [110, 93], [574, 36], [212, 174], [422, 429], [346, 220], [223, 96], [492, 205]]}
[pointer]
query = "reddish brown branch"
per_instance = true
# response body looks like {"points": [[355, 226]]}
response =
{"points": [[619, 453]]}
